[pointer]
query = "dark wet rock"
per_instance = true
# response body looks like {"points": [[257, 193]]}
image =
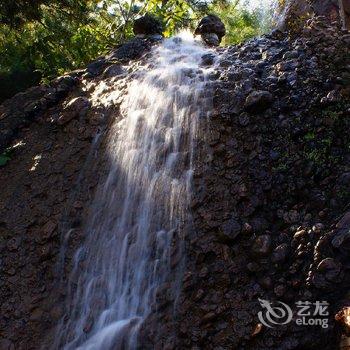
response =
{"points": [[243, 119], [258, 101], [13, 244], [95, 68], [341, 237], [266, 283], [344, 180], [262, 245], [208, 59], [341, 240], [113, 70], [253, 267], [56, 313], [6, 344], [286, 66], [36, 315], [28, 106], [131, 50], [147, 25], [211, 39], [48, 229], [291, 55], [155, 38], [291, 217], [344, 222], [318, 227], [208, 27], [328, 271], [280, 290], [64, 82], [230, 230], [229, 102], [77, 107], [88, 325], [280, 253], [259, 224], [317, 200]]}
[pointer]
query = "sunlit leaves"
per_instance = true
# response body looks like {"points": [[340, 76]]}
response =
{"points": [[54, 36], [241, 24]]}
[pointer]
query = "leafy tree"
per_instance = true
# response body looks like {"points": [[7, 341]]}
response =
{"points": [[40, 39], [19, 12], [48, 39], [241, 23]]}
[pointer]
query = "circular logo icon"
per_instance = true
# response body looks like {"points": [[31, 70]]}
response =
{"points": [[274, 315]]}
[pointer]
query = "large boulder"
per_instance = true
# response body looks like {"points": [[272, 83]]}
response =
{"points": [[258, 101], [211, 30], [148, 25]]}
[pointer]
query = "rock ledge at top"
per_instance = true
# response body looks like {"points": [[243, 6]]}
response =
{"points": [[211, 30]]}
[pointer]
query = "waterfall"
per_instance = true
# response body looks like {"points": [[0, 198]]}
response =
{"points": [[140, 215], [270, 13]]}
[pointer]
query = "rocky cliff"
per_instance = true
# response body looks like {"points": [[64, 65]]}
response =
{"points": [[296, 12], [270, 204]]}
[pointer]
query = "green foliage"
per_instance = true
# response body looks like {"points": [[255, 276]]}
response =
{"points": [[241, 23], [40, 39], [175, 14], [55, 42], [318, 145], [17, 13], [58, 38], [310, 136], [5, 157]]}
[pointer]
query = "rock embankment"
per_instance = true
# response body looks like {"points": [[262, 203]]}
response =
{"points": [[271, 205], [52, 147]]}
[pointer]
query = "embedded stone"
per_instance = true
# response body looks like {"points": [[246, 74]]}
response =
{"points": [[230, 230], [258, 101], [280, 253], [211, 39], [114, 70], [77, 107], [213, 25], [262, 245]]}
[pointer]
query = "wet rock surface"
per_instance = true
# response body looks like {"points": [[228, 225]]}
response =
{"points": [[332, 10], [263, 160], [25, 107], [271, 193], [258, 101], [56, 137]]}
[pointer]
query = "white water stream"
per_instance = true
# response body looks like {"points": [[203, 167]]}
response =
{"points": [[134, 238]]}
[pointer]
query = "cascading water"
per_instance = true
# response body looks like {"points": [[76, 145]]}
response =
{"points": [[134, 239], [269, 13]]}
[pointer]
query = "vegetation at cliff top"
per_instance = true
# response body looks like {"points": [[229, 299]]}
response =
{"points": [[40, 39]]}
